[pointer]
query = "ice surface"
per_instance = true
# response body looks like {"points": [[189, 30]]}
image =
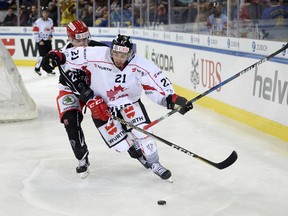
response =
{"points": [[38, 167]]}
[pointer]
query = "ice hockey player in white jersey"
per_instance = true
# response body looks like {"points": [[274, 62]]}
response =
{"points": [[118, 78], [42, 33], [70, 109]]}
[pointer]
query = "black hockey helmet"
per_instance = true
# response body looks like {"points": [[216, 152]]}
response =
{"points": [[122, 43]]}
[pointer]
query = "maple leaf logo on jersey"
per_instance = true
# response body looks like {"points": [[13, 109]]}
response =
{"points": [[116, 93], [133, 70]]}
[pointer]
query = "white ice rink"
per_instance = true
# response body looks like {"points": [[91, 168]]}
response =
{"points": [[38, 175]]}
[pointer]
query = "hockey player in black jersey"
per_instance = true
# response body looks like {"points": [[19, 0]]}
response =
{"points": [[69, 107]]}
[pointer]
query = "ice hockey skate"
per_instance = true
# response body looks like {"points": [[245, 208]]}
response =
{"points": [[52, 73], [162, 172], [37, 71], [82, 168]]}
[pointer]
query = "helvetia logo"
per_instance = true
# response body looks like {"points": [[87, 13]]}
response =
{"points": [[194, 75], [272, 88], [68, 100]]}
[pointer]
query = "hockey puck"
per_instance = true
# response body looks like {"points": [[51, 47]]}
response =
{"points": [[161, 202]]}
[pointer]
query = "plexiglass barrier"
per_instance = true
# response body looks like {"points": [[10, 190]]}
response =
{"points": [[254, 19]]}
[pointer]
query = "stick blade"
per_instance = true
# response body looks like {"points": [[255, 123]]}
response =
{"points": [[228, 161]]}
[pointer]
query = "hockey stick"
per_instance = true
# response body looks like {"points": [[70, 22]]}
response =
{"points": [[219, 85], [221, 165]]}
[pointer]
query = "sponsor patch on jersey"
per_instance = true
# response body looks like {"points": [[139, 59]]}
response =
{"points": [[68, 100], [103, 68]]}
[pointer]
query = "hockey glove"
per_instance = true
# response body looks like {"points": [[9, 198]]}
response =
{"points": [[183, 102], [99, 109], [86, 94], [52, 59], [74, 80]]}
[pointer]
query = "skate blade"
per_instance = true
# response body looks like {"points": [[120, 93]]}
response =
{"points": [[170, 180], [51, 74], [83, 175]]}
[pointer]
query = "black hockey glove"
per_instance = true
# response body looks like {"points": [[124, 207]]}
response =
{"points": [[183, 102], [73, 80], [86, 94], [52, 60]]}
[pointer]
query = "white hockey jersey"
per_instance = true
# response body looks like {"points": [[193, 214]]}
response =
{"points": [[119, 88], [43, 29]]}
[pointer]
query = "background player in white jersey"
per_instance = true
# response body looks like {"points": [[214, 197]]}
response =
{"points": [[69, 106], [42, 33], [118, 77]]}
